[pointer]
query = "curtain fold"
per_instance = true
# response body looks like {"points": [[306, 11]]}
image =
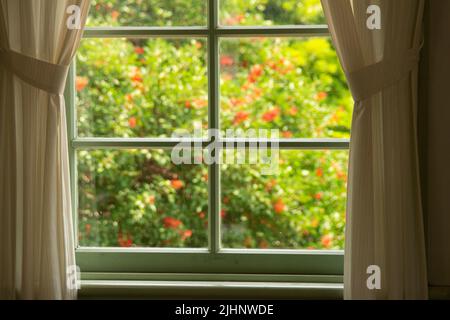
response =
{"points": [[384, 212], [36, 232]]}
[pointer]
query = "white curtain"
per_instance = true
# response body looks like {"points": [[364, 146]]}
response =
{"points": [[384, 213], [36, 235]]}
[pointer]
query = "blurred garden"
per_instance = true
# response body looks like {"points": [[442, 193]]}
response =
{"points": [[135, 88]]}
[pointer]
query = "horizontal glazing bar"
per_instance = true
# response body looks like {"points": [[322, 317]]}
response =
{"points": [[167, 143], [274, 31], [183, 32], [145, 32]]}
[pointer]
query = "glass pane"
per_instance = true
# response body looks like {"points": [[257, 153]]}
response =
{"points": [[139, 198], [294, 85], [141, 88], [159, 13], [270, 12], [301, 207]]}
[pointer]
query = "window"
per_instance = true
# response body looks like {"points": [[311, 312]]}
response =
{"points": [[148, 68]]}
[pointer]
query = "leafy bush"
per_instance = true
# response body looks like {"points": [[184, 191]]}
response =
{"points": [[150, 87]]}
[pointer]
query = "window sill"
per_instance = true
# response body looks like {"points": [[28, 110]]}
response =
{"points": [[137, 289]]}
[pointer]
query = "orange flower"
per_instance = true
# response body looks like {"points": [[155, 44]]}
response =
{"points": [[177, 184], [293, 111], [81, 83], [171, 223], [319, 172], [132, 122], [198, 44], [263, 244], [279, 206], [187, 104], [318, 196], [200, 103], [271, 184], [320, 96], [287, 134], [139, 50], [271, 115], [255, 72], [240, 117], [202, 215], [88, 228], [341, 175], [257, 92], [326, 241], [186, 234], [237, 101], [137, 78], [248, 243], [151, 199], [115, 14], [136, 75]]}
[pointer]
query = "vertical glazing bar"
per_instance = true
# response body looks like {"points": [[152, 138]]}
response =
{"points": [[213, 118], [70, 98]]}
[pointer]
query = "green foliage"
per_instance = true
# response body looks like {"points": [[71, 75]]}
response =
{"points": [[151, 87]]}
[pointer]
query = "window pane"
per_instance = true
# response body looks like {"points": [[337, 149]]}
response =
{"points": [[141, 88], [270, 12], [291, 84], [159, 13], [301, 207], [138, 198]]}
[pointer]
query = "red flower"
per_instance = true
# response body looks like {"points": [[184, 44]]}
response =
{"points": [[132, 122], [271, 115], [226, 61], [81, 83], [318, 196], [202, 215], [240, 117], [223, 213], [139, 50], [326, 241], [226, 200], [171, 223], [279, 206], [177, 184], [126, 243]]}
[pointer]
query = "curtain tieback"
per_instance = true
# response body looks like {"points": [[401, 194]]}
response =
{"points": [[372, 79], [38, 73]]}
